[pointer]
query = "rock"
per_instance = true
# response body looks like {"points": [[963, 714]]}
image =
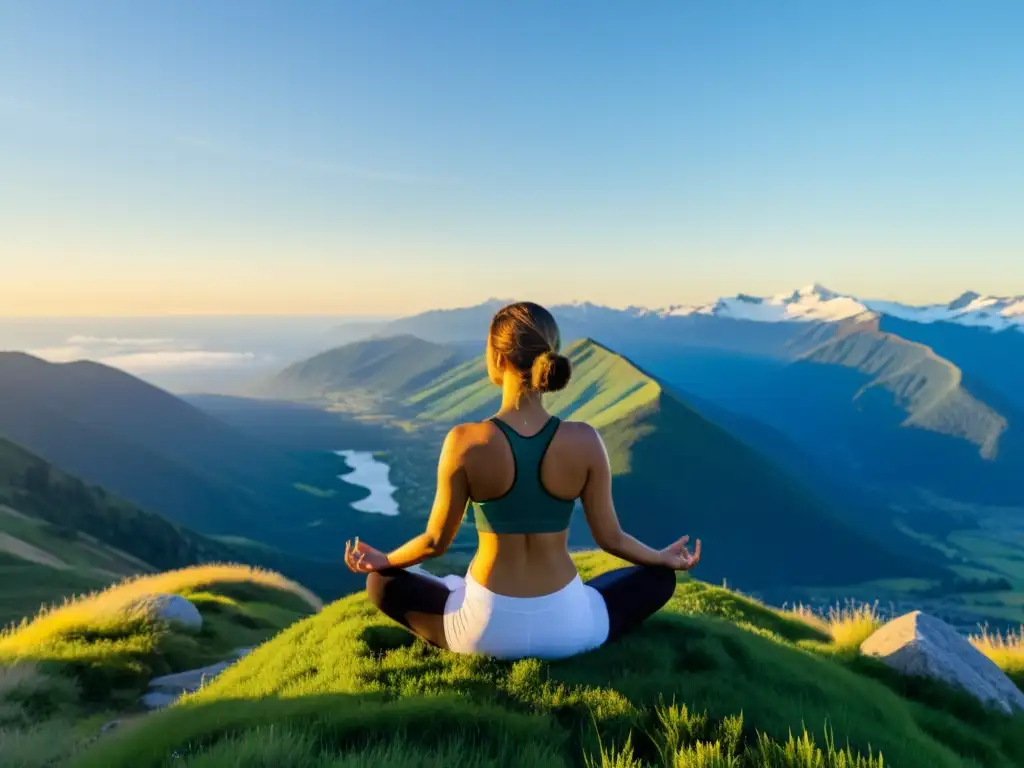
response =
{"points": [[924, 646], [110, 726], [165, 690], [189, 681], [173, 609], [157, 700]]}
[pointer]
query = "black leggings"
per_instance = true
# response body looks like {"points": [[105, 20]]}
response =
{"points": [[417, 602]]}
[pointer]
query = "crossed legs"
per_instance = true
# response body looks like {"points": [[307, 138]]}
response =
{"points": [[417, 602]]}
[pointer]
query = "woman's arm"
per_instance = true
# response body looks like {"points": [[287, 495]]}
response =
{"points": [[599, 509], [450, 503]]}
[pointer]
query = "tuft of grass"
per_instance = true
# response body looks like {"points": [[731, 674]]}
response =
{"points": [[852, 624], [809, 616], [1007, 651], [847, 625]]}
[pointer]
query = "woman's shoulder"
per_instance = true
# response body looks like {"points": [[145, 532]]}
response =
{"points": [[471, 433], [579, 432]]}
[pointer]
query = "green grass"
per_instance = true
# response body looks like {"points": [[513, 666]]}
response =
{"points": [[715, 679], [846, 626]]}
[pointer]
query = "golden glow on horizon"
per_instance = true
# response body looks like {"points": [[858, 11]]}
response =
{"points": [[262, 283], [136, 298]]}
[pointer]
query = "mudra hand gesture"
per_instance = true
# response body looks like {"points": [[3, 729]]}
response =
{"points": [[362, 558], [678, 556]]}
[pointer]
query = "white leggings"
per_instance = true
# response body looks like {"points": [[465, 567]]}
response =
{"points": [[553, 626], [576, 618]]}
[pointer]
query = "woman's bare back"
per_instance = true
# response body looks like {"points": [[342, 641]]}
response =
{"points": [[524, 564]]}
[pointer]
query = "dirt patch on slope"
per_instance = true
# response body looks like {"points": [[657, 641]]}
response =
{"points": [[26, 551]]}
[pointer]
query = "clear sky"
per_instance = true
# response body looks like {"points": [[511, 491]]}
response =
{"points": [[382, 157]]}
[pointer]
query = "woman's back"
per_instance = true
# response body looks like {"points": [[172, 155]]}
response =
{"points": [[527, 476]]}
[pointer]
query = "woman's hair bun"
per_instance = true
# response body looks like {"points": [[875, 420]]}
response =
{"points": [[550, 372]]}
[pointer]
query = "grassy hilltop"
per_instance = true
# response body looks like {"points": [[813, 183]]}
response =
{"points": [[712, 680]]}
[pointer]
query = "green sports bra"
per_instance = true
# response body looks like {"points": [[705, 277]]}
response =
{"points": [[526, 507]]}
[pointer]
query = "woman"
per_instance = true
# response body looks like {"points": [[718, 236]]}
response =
{"points": [[523, 469]]}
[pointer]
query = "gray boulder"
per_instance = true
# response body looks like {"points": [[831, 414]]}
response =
{"points": [[173, 609], [921, 645]]}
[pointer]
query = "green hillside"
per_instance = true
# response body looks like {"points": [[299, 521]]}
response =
{"points": [[152, 448], [911, 418], [677, 472], [60, 536], [377, 367], [169, 457], [712, 680], [929, 388]]}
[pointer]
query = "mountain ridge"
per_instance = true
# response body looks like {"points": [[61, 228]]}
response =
{"points": [[373, 364]]}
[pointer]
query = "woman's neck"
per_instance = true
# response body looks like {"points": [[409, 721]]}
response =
{"points": [[524, 406]]}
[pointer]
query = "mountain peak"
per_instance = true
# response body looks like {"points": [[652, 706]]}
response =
{"points": [[965, 299], [819, 290]]}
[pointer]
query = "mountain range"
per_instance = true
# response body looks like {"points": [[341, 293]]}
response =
{"points": [[891, 397], [836, 436], [816, 302]]}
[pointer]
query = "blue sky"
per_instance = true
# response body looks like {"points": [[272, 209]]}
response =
{"points": [[358, 157]]}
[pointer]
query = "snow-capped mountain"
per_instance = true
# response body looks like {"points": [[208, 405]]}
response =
{"points": [[995, 312], [813, 302], [817, 303]]}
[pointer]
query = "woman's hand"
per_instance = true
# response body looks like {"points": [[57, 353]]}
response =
{"points": [[362, 558], [678, 557]]}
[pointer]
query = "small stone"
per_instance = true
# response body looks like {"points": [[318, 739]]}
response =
{"points": [[173, 609]]}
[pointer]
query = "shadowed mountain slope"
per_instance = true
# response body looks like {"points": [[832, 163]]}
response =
{"points": [[148, 446], [386, 366]]}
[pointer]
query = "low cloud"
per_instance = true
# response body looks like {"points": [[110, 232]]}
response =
{"points": [[143, 355], [144, 362], [125, 341]]}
